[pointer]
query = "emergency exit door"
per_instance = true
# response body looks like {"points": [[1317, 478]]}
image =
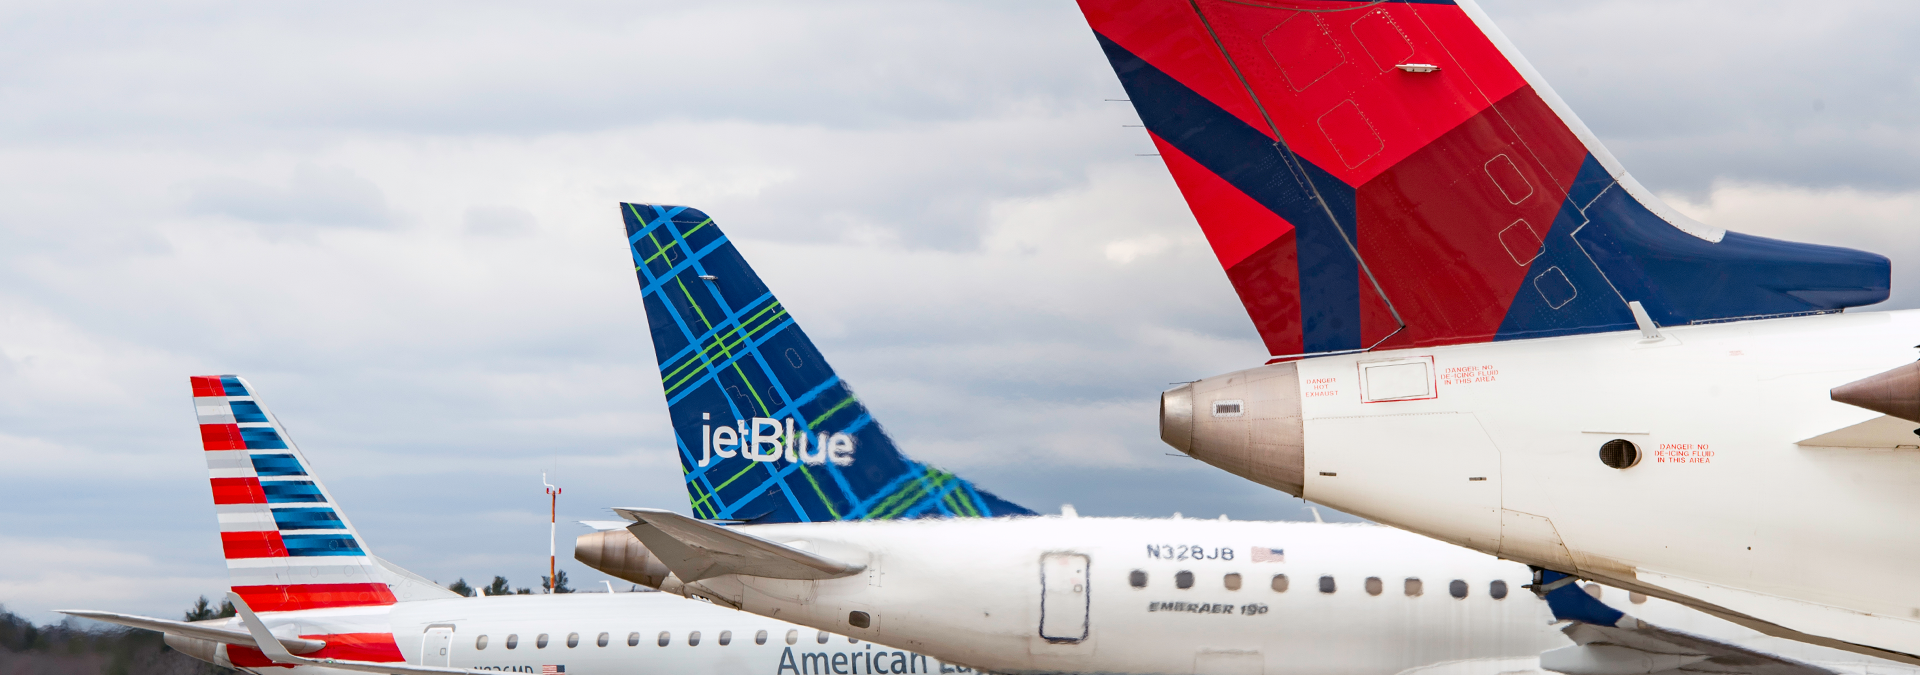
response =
{"points": [[1064, 597], [436, 645]]}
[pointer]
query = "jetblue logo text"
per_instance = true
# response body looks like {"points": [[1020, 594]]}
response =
{"points": [[765, 439]]}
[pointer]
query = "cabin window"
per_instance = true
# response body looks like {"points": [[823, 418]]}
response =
{"points": [[821, 638], [633, 639], [1374, 586], [1415, 588], [760, 638], [540, 642], [1497, 589], [1137, 578], [1637, 598], [860, 619], [793, 636], [1232, 581], [666, 638], [726, 638], [1457, 588], [573, 640], [603, 639], [1593, 590], [693, 639], [1326, 584], [1279, 583], [480, 643], [1183, 579], [513, 640]]}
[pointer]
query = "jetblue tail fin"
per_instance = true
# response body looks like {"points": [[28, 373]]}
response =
{"points": [[766, 432], [287, 545], [1392, 173]]}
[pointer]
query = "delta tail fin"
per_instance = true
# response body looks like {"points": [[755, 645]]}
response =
{"points": [[1392, 173], [765, 430], [287, 545]]}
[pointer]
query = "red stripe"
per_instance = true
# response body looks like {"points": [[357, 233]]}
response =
{"points": [[221, 437], [253, 545], [376, 647], [238, 491], [208, 385], [314, 596]]}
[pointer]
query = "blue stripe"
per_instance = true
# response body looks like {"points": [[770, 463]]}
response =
{"points": [[291, 492], [306, 545], [262, 438], [233, 387], [247, 411], [277, 465], [308, 518]]}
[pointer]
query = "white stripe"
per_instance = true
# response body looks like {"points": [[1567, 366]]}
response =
{"points": [[345, 561], [247, 522], [229, 459], [223, 418]]}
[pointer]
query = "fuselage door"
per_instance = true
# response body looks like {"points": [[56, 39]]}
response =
{"points": [[1064, 597], [436, 645]]}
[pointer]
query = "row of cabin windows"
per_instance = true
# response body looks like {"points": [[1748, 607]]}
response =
{"points": [[666, 638], [1413, 586]]}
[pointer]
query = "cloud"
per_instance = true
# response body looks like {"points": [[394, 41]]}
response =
{"points": [[398, 221], [313, 196]]}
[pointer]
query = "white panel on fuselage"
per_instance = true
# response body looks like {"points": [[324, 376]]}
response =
{"points": [[1718, 412], [1063, 597]]}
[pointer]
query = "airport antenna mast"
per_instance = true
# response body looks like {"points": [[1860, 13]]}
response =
{"points": [[553, 520]]}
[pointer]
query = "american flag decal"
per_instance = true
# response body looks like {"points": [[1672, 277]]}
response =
{"points": [[552, 670], [1264, 554]]}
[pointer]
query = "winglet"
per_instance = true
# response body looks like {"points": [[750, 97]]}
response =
{"points": [[263, 639], [1569, 602]]}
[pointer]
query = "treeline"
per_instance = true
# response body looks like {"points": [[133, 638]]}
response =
{"points": [[72, 647], [500, 586]]}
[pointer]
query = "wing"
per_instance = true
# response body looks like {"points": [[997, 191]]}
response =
{"points": [[1607, 641], [193, 630], [696, 550]]}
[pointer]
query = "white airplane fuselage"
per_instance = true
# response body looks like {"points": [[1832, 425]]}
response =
{"points": [[1000, 595], [1756, 496], [476, 633]]}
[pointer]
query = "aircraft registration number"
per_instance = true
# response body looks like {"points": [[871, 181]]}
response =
{"points": [[1188, 552]]}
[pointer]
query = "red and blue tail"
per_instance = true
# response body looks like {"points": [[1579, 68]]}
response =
{"points": [[287, 545], [1393, 173]]}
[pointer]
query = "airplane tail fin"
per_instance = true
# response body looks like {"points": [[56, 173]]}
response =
{"points": [[1392, 173], [766, 431], [287, 544]]}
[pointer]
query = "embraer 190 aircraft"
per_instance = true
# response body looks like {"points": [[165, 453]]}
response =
{"points": [[314, 598], [1485, 331], [834, 528]]}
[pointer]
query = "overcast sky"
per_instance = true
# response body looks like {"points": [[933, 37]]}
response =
{"points": [[398, 220]]}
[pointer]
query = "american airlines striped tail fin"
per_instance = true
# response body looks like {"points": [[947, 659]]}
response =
{"points": [[767, 432], [287, 545], [1381, 174]]}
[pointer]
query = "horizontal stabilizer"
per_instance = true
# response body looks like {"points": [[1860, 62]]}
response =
{"points": [[696, 550], [200, 631], [1885, 431], [265, 642], [1609, 642]]}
